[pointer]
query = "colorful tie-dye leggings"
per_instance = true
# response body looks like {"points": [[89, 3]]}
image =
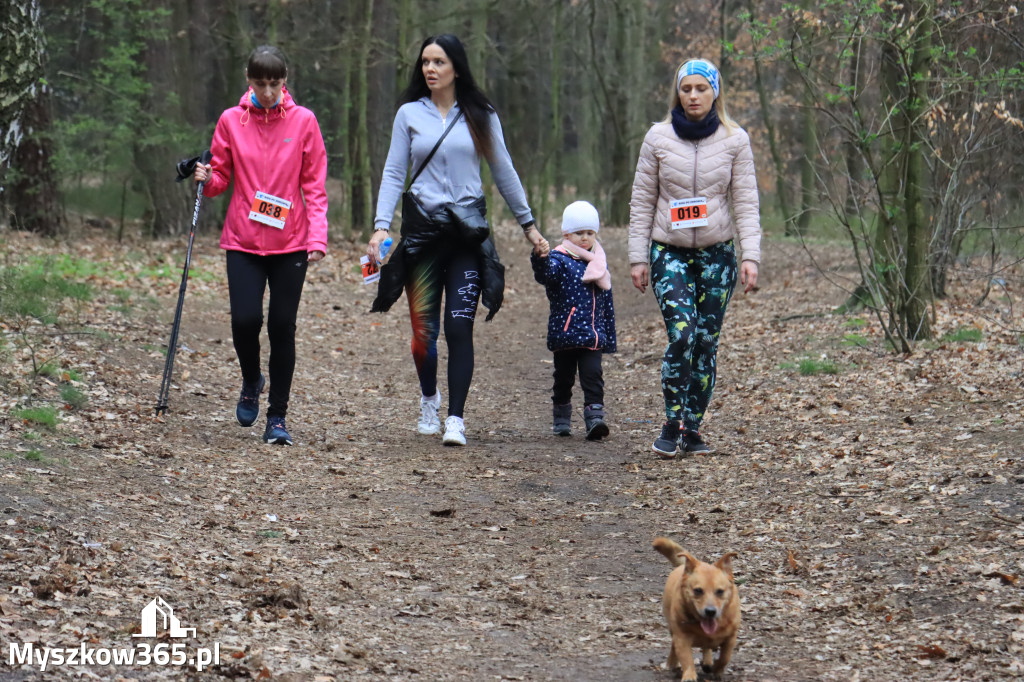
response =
{"points": [[455, 270], [693, 288]]}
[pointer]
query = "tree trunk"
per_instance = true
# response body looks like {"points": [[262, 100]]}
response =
{"points": [[622, 159], [885, 252], [725, 44], [809, 139], [550, 175], [918, 276], [29, 187], [854, 160], [168, 210], [781, 185], [362, 190]]}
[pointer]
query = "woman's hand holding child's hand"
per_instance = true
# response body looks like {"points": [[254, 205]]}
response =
{"points": [[540, 245]]}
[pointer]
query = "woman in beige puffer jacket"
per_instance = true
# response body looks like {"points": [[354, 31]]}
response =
{"points": [[694, 194]]}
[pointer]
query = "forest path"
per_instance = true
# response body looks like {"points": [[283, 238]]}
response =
{"points": [[877, 512]]}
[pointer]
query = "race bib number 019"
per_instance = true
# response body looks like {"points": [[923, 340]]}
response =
{"points": [[688, 213], [270, 210]]}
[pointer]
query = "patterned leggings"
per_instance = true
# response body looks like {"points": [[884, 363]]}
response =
{"points": [[693, 288], [454, 270]]}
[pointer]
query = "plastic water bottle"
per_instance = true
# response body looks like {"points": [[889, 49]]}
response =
{"points": [[385, 246]]}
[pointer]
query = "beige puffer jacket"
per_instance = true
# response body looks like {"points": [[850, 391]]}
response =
{"points": [[715, 167]]}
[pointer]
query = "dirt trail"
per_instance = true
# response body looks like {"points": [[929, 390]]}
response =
{"points": [[877, 512]]}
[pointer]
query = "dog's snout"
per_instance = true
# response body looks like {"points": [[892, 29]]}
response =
{"points": [[710, 611]]}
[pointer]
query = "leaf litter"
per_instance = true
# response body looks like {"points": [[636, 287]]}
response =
{"points": [[877, 512]]}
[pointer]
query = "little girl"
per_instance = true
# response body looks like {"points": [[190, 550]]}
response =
{"points": [[581, 325]]}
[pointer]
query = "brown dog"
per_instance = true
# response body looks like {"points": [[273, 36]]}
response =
{"points": [[702, 607]]}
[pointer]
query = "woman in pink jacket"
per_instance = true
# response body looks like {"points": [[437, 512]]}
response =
{"points": [[694, 167], [276, 224]]}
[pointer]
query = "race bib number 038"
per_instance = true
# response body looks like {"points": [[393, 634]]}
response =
{"points": [[270, 210], [688, 213]]}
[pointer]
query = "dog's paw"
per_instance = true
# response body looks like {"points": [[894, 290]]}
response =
{"points": [[713, 672]]}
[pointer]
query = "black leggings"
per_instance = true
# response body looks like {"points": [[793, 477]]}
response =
{"points": [[591, 378], [455, 270], [248, 276]]}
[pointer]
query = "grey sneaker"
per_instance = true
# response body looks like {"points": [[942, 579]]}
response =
{"points": [[429, 422], [667, 443]]}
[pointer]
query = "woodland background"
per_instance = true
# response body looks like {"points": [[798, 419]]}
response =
{"points": [[893, 125], [874, 496]]}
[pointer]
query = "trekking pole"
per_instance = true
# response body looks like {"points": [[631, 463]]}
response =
{"points": [[185, 169]]}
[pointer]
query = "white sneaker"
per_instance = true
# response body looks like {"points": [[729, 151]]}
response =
{"points": [[429, 422], [454, 431]]}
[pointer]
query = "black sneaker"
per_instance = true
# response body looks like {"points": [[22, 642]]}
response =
{"points": [[248, 408], [276, 433], [668, 441], [692, 442]]}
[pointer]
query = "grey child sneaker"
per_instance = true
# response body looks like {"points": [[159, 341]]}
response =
{"points": [[561, 416], [593, 417]]}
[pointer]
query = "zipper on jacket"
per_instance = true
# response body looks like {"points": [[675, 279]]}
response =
{"points": [[265, 149], [593, 316], [568, 319], [696, 145]]}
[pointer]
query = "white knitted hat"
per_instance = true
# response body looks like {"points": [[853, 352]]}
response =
{"points": [[580, 215]]}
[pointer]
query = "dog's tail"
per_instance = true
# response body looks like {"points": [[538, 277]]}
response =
{"points": [[670, 550]]}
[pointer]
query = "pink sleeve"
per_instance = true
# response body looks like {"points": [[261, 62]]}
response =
{"points": [[221, 162], [313, 178]]}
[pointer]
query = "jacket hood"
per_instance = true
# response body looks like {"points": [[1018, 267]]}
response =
{"points": [[281, 110]]}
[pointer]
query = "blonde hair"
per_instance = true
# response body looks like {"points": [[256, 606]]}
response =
{"points": [[723, 113]]}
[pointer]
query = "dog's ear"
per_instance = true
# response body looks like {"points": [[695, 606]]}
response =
{"points": [[725, 564], [689, 559]]}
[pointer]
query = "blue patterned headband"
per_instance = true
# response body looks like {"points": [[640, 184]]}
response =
{"points": [[700, 67]]}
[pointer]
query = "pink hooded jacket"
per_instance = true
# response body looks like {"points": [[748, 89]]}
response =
{"points": [[278, 151]]}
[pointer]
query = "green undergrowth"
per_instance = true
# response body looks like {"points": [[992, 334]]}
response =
{"points": [[811, 366], [44, 417], [963, 335]]}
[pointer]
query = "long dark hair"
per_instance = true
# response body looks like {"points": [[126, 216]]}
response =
{"points": [[473, 102]]}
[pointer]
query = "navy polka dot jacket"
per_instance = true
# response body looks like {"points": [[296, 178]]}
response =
{"points": [[582, 315]]}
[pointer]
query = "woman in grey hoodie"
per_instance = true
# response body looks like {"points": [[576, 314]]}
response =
{"points": [[436, 253]]}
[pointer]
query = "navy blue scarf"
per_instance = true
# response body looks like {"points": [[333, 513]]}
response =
{"points": [[694, 130]]}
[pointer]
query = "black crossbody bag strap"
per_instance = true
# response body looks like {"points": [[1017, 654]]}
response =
{"points": [[434, 150]]}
